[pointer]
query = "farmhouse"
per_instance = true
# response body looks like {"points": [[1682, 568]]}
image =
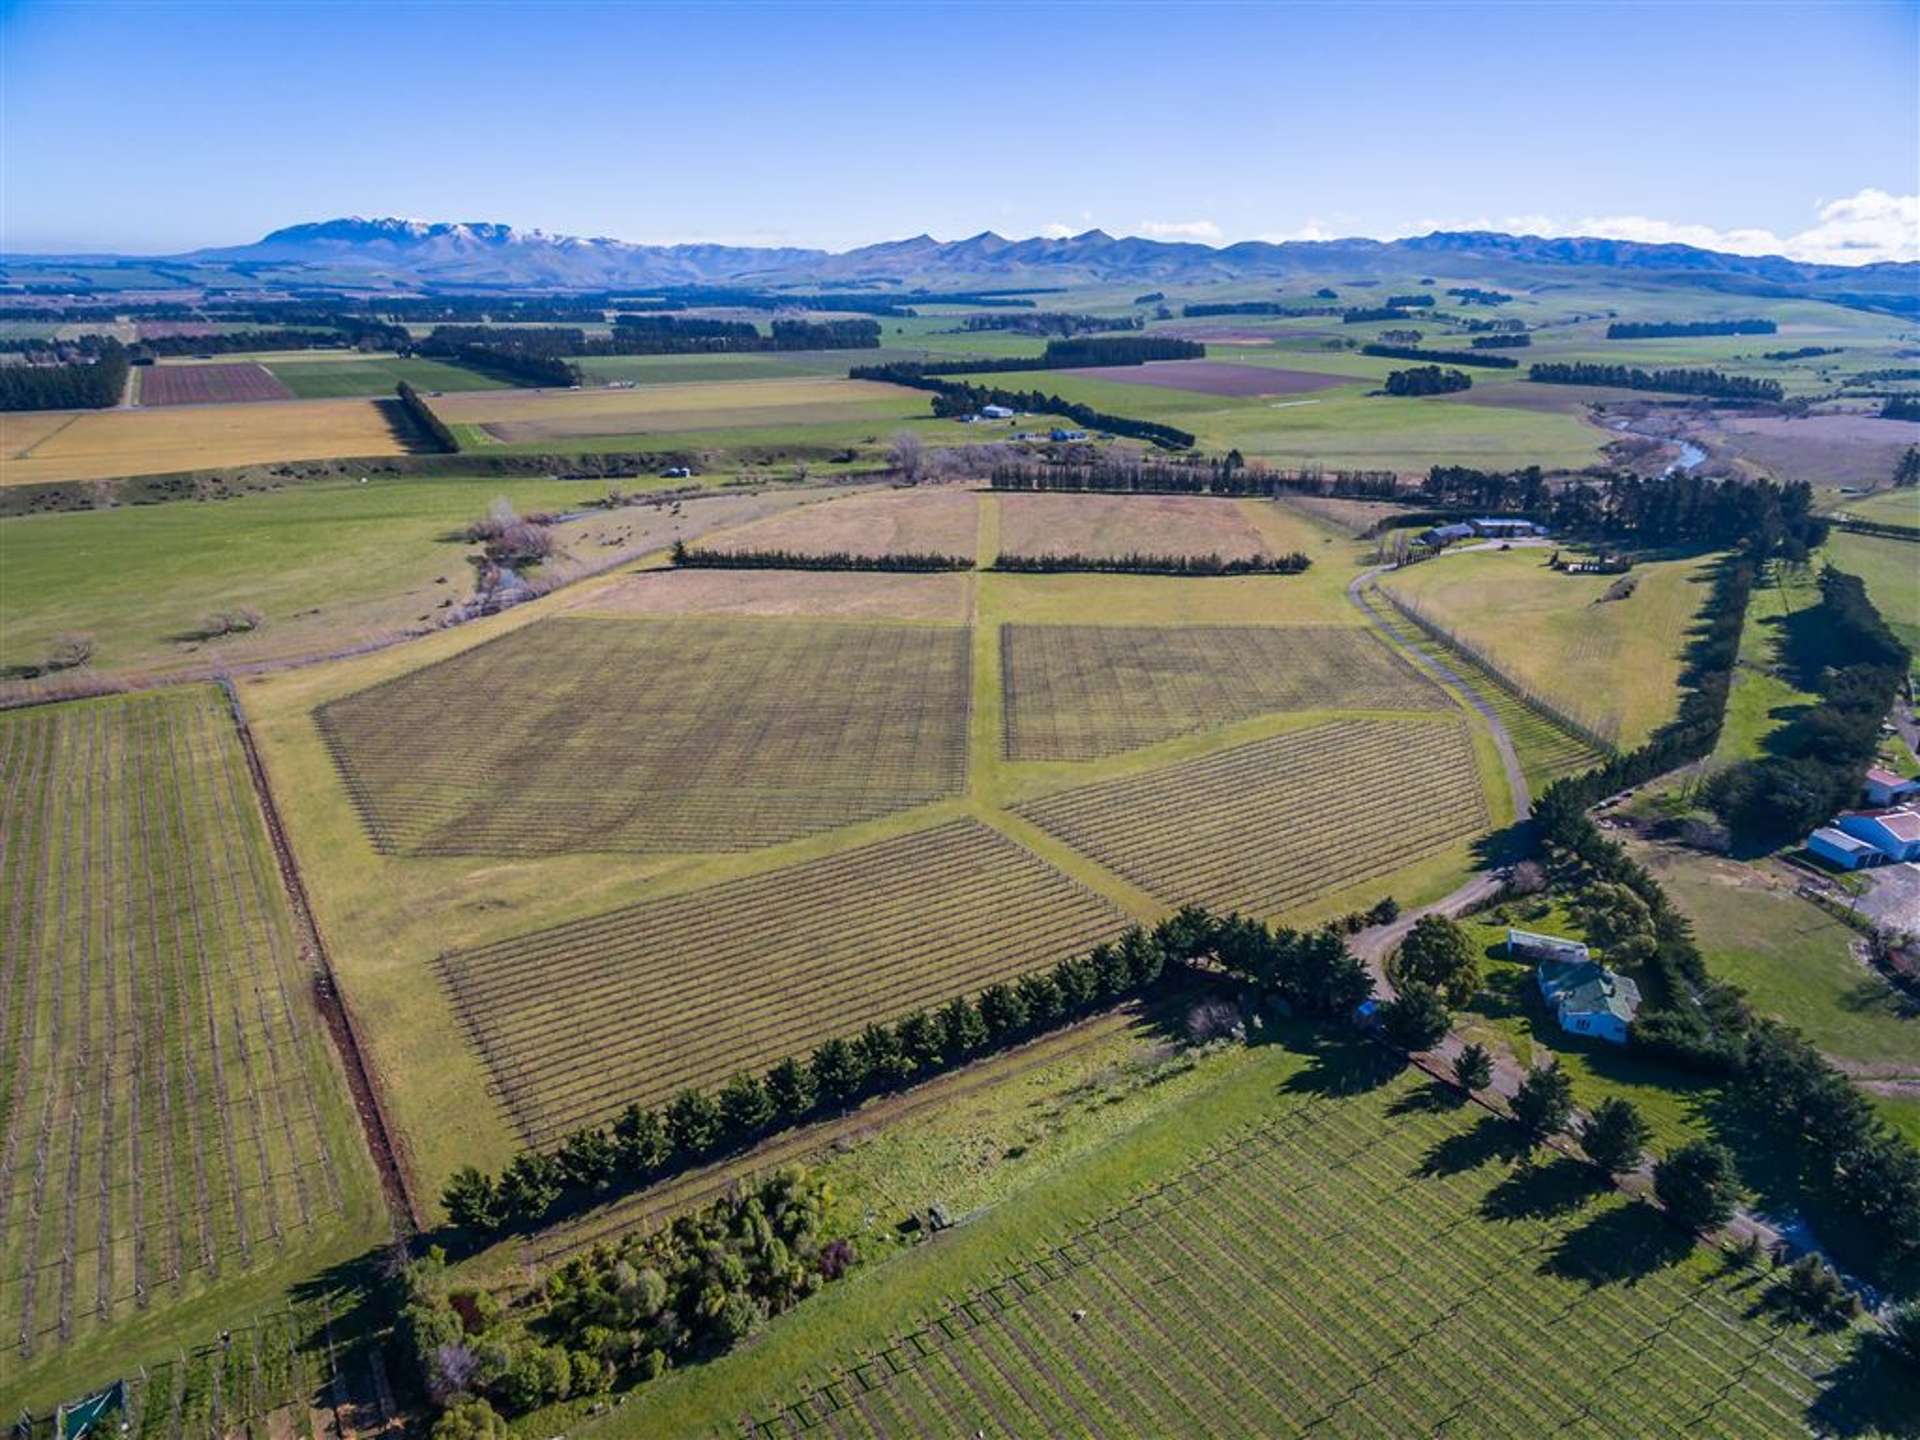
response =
{"points": [[1446, 534], [1894, 833], [1588, 998], [1883, 788], [1526, 945], [1839, 848], [995, 412], [1066, 435]]}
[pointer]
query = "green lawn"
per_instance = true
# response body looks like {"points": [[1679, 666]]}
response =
{"points": [[1891, 571], [1762, 697], [375, 375]]}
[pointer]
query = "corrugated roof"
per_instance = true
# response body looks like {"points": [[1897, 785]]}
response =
{"points": [[1839, 839]]}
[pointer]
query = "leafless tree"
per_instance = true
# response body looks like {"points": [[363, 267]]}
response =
{"points": [[906, 454], [1211, 1019]]}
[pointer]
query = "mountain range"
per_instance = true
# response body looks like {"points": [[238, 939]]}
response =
{"points": [[483, 255]]}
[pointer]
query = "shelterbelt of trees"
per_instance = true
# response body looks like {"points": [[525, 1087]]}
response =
{"points": [[956, 398], [1441, 357], [1681, 329], [89, 385], [1073, 353], [1427, 380], [1681, 382]]}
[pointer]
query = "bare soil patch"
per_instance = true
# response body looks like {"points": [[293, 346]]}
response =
{"points": [[1116, 525], [895, 522], [209, 384], [828, 594], [1216, 377]]}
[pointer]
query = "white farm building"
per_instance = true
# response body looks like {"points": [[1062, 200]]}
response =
{"points": [[1589, 999]]}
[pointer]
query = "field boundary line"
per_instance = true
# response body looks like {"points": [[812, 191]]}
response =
{"points": [[402, 1202]]}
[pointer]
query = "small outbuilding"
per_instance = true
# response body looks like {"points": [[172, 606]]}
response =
{"points": [[995, 412], [1836, 847], [1884, 788], [1446, 534], [1527, 945], [1589, 999], [1503, 527]]}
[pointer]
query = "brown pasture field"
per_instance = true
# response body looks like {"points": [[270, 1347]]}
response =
{"points": [[896, 522], [823, 594], [22, 430], [240, 383], [1116, 525], [174, 329], [1216, 377], [1824, 449], [102, 444]]}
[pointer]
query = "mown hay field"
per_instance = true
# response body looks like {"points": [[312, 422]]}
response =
{"points": [[1361, 1260], [1112, 526], [312, 378], [900, 522], [824, 594], [1612, 665], [577, 1021], [518, 416], [1271, 826], [170, 1112], [1084, 692], [579, 734], [102, 444]]}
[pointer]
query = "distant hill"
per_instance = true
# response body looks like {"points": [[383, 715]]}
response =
{"points": [[491, 255]]}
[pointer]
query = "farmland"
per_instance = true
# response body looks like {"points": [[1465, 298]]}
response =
{"points": [[721, 734], [315, 378], [1271, 826], [1300, 1239], [1888, 568], [1081, 692], [547, 416], [922, 522], [328, 565], [171, 1119], [1111, 526], [1612, 665], [826, 594], [101, 444], [740, 975], [209, 384], [1217, 377]]}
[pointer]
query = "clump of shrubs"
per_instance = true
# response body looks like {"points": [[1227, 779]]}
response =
{"points": [[512, 540], [623, 1313]]}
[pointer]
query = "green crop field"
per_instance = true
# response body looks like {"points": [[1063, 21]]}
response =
{"points": [[1267, 827], [656, 735], [1359, 1264], [1611, 665], [375, 375], [174, 1133], [1081, 692], [577, 1021]]}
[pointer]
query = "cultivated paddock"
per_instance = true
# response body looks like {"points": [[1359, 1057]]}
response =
{"points": [[102, 444], [1216, 377], [577, 1021], [169, 1114], [1271, 826], [649, 736], [1112, 526], [209, 384], [823, 594], [1081, 692], [941, 522], [515, 416]]}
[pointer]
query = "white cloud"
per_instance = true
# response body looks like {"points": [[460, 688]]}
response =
{"points": [[1314, 229], [1180, 229], [1857, 230], [1056, 230]]}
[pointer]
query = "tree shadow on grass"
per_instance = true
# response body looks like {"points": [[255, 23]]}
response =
{"points": [[1620, 1246], [1541, 1192], [1491, 1139], [1869, 1393], [1343, 1063], [1438, 1098]]}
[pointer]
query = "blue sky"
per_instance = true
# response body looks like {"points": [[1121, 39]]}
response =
{"points": [[158, 127]]}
